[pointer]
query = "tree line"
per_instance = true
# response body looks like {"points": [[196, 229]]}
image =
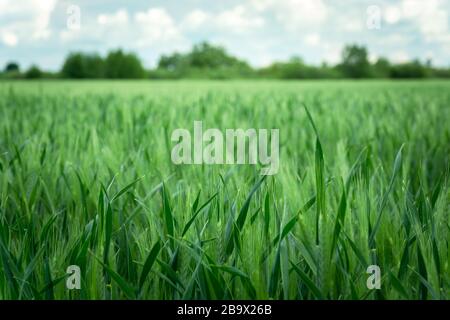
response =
{"points": [[206, 61]]}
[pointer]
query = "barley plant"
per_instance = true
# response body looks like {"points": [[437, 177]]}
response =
{"points": [[86, 179]]}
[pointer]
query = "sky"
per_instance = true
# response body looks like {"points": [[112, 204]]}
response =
{"points": [[43, 32]]}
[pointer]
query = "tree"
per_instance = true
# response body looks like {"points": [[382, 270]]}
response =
{"points": [[204, 61], [12, 67], [172, 66], [207, 56], [295, 68], [355, 63], [80, 65], [381, 68], [120, 65], [117, 64], [94, 66], [173, 62], [73, 66], [204, 55], [409, 70], [33, 73]]}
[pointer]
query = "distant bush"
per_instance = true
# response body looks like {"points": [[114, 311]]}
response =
{"points": [[12, 67], [355, 63], [11, 71], [204, 61], [409, 70], [381, 68], [440, 73], [120, 65], [207, 61], [117, 65], [80, 65], [296, 69], [33, 73]]}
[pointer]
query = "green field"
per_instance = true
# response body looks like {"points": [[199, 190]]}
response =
{"points": [[86, 179]]}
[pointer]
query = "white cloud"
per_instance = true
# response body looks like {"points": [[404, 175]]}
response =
{"points": [[332, 53], [42, 11], [434, 25], [31, 20], [400, 56], [414, 8], [261, 5], [429, 17], [9, 39], [394, 40], [156, 25], [351, 25], [263, 60], [312, 39], [392, 14], [195, 19], [238, 20], [295, 14], [373, 57], [120, 17]]}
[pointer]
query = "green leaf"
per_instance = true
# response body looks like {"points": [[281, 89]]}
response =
{"points": [[126, 288], [243, 212], [168, 217], [339, 220], [397, 166], [189, 223], [398, 286], [238, 273], [319, 173], [357, 252], [266, 213], [125, 189], [151, 258], [108, 232], [308, 282]]}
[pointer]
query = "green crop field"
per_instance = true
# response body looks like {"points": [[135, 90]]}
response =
{"points": [[86, 179]]}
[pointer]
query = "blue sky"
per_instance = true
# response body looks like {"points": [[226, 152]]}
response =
{"points": [[259, 31]]}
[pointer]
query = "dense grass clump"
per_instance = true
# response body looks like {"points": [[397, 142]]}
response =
{"points": [[86, 179]]}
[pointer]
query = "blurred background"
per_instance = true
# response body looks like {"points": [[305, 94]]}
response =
{"points": [[285, 39]]}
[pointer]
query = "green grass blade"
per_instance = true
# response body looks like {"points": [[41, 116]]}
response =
{"points": [[151, 258], [308, 282]]}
